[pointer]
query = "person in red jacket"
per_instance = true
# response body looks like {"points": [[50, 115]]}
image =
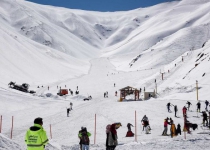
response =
{"points": [[165, 127], [184, 110]]}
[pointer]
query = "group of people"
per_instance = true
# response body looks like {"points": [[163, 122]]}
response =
{"points": [[173, 130], [36, 136], [184, 111], [175, 108], [106, 94]]}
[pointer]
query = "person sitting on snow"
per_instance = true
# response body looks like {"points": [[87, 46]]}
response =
{"points": [[129, 126]]}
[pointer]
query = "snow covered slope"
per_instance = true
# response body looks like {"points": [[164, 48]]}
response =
{"points": [[59, 47]]}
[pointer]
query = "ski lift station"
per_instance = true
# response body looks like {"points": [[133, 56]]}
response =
{"points": [[126, 91]]}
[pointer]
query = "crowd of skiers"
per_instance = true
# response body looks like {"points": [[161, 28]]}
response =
{"points": [[187, 124], [36, 136]]}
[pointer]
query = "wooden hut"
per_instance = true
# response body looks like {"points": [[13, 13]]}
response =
{"points": [[127, 91]]}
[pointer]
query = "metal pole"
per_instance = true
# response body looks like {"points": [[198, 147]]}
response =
{"points": [[135, 128], [95, 131], [155, 86], [12, 127], [0, 123], [185, 127], [50, 132], [197, 88]]}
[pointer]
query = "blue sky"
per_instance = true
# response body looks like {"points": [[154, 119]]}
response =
{"points": [[101, 5]]}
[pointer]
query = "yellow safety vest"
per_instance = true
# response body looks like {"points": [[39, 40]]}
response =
{"points": [[36, 139]]}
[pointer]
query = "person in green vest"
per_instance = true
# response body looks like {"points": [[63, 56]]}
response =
{"points": [[36, 137]]}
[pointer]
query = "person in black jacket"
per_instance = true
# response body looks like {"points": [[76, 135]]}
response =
{"points": [[168, 106], [207, 103], [198, 107], [178, 129], [80, 142], [175, 110], [205, 120], [188, 105]]}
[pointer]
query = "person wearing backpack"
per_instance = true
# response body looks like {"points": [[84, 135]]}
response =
{"points": [[85, 141]]}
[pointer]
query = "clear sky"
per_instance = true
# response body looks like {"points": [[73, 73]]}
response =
{"points": [[101, 5]]}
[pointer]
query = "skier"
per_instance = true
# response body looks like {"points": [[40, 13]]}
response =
{"points": [[207, 103], [68, 110], [71, 104], [104, 94], [36, 137], [198, 106], [115, 93], [165, 127], [145, 123], [205, 120], [85, 141], [184, 110], [175, 110], [188, 105], [114, 84], [107, 94], [178, 129], [168, 106]]}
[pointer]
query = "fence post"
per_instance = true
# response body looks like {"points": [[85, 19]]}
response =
{"points": [[95, 131], [12, 127], [135, 128], [0, 123], [50, 132], [155, 86], [185, 126], [197, 88]]}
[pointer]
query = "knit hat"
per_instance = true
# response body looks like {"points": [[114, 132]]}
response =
{"points": [[38, 120]]}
